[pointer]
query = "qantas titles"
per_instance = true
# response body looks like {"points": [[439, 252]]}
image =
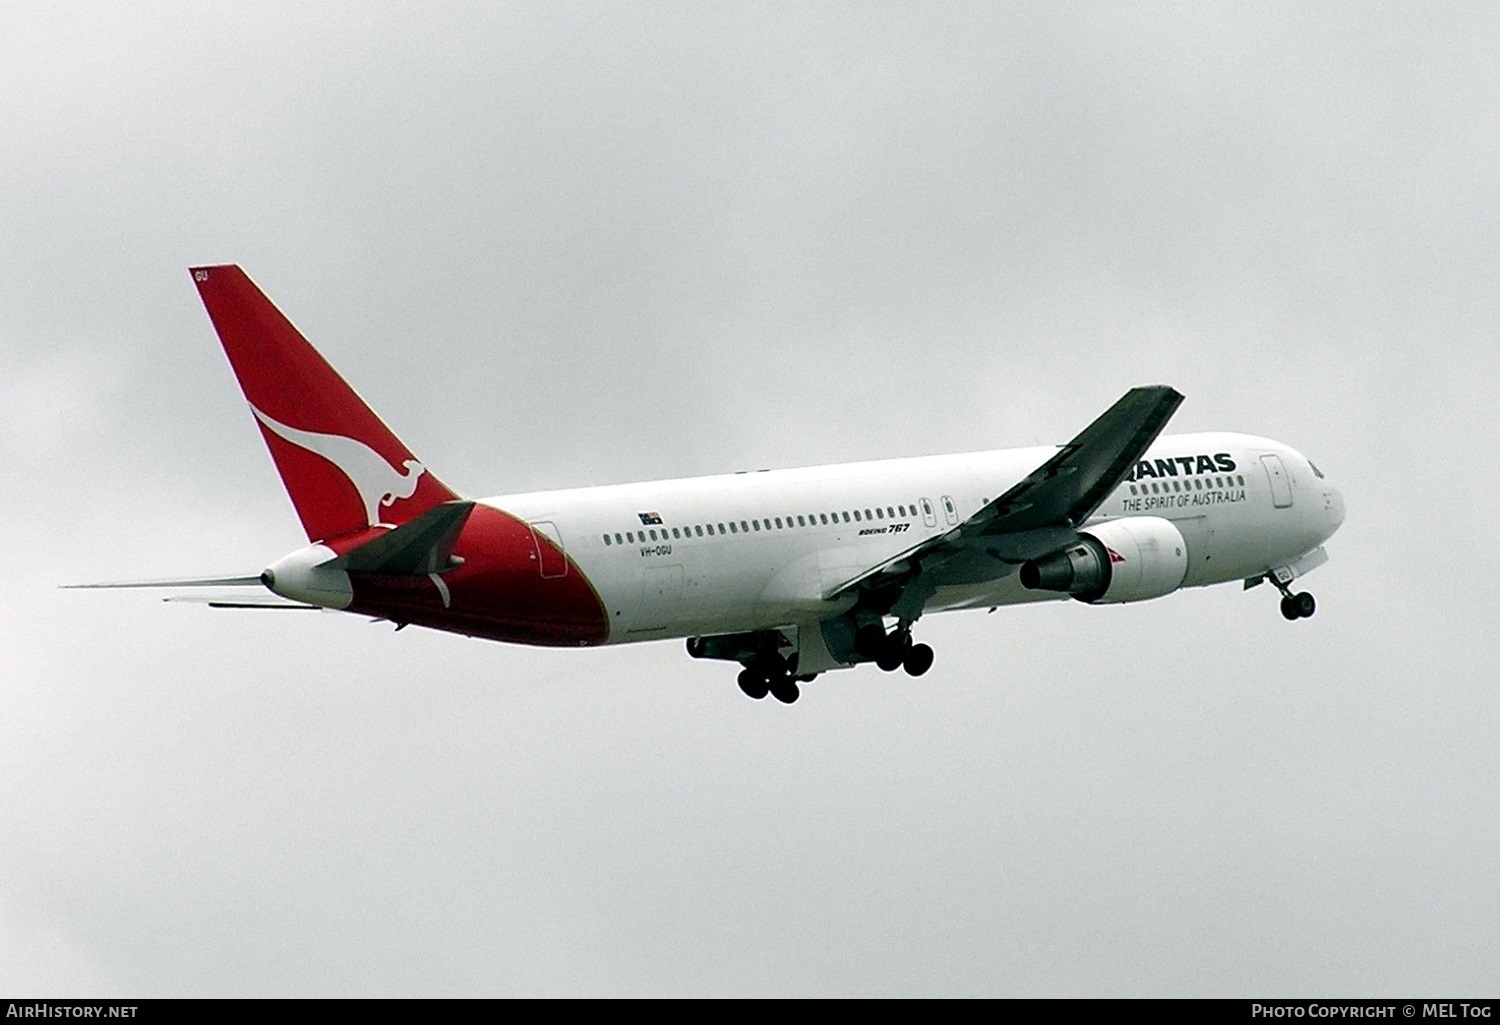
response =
{"points": [[1219, 462]]}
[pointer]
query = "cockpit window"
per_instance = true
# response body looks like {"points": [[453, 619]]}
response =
{"points": [[1316, 472]]}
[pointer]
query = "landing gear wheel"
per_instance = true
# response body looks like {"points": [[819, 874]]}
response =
{"points": [[893, 649], [785, 690], [753, 684], [918, 659], [1298, 606]]}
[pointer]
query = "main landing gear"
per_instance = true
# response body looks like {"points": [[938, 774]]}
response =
{"points": [[767, 672], [894, 650], [771, 675]]}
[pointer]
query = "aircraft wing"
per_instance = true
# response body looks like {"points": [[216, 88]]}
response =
{"points": [[1037, 516]]}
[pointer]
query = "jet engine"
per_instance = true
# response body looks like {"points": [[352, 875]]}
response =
{"points": [[1130, 559]]}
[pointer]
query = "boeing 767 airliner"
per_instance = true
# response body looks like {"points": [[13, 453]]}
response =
{"points": [[789, 573]]}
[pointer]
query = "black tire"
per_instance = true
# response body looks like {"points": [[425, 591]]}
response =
{"points": [[785, 690], [753, 684], [1289, 608], [918, 659], [1305, 604]]}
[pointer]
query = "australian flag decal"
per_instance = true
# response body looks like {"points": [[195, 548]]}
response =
{"points": [[650, 519]]}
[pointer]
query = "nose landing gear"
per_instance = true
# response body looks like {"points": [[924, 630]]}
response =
{"points": [[1294, 606], [1298, 606]]}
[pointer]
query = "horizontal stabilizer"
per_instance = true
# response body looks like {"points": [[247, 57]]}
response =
{"points": [[417, 547], [221, 601], [254, 581]]}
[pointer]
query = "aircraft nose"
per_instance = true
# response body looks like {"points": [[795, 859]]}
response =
{"points": [[1334, 502]]}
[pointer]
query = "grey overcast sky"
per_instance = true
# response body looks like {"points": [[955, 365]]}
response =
{"points": [[568, 244]]}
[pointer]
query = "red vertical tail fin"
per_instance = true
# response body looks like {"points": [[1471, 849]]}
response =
{"points": [[344, 469]]}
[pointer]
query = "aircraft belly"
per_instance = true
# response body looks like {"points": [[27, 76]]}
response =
{"points": [[1007, 591]]}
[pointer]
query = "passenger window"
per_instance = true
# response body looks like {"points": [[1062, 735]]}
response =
{"points": [[721, 528], [699, 529], [606, 539], [1242, 481], [890, 512], [744, 527], [755, 524], [778, 523], [653, 535], [856, 516], [801, 522], [732, 528], [619, 540], [867, 515], [846, 516]]}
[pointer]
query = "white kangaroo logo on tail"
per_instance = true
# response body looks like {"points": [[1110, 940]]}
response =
{"points": [[377, 481]]}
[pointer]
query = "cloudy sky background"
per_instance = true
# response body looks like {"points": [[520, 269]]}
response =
{"points": [[576, 244]]}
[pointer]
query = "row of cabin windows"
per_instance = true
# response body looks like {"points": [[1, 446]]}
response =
{"points": [[1196, 482], [751, 526]]}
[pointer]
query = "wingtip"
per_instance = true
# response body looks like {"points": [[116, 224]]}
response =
{"points": [[1161, 393]]}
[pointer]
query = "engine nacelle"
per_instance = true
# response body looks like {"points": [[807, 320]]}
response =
{"points": [[1131, 559]]}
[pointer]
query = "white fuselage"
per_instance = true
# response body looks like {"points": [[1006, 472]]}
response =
{"points": [[748, 551]]}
